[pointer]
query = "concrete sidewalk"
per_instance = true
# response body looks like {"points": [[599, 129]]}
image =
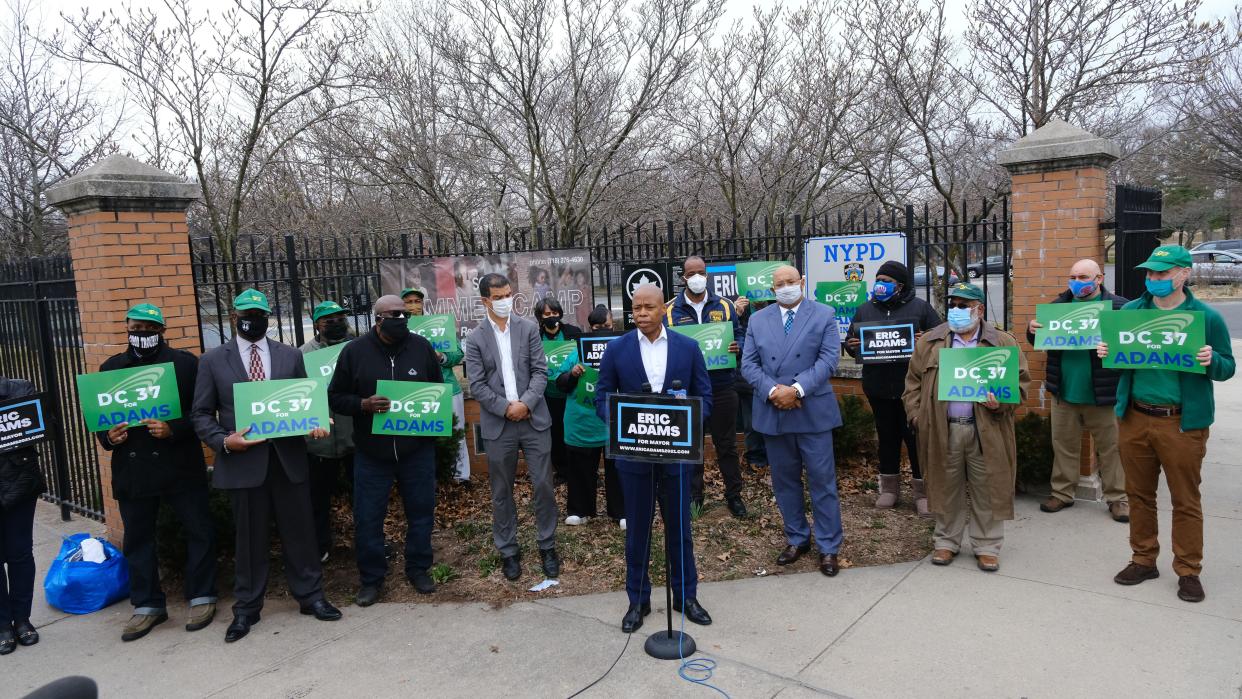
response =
{"points": [[1051, 623]]}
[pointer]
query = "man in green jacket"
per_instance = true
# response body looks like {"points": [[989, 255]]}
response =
{"points": [[413, 300], [1165, 416], [329, 456]]}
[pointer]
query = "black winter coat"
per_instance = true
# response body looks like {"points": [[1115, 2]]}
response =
{"points": [[143, 466], [888, 381], [1103, 381], [21, 479]]}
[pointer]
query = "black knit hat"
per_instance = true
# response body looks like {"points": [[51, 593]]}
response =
{"points": [[897, 271]]}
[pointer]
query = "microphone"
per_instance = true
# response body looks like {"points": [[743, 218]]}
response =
{"points": [[676, 385], [646, 387]]}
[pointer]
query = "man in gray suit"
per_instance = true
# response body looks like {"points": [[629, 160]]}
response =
{"points": [[507, 370], [265, 478]]}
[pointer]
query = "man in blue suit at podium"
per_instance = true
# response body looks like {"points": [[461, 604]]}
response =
{"points": [[653, 359], [790, 353]]}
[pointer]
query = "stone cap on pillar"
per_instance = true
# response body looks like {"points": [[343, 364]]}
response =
{"points": [[1058, 145], [120, 183]]}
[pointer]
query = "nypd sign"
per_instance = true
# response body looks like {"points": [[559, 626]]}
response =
{"points": [[851, 258]]}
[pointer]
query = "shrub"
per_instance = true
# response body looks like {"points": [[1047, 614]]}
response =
{"points": [[1033, 434], [856, 435]]}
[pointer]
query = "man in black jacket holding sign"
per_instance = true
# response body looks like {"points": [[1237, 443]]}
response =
{"points": [[161, 461], [389, 352]]}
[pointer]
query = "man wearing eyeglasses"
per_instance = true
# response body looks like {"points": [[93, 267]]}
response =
{"points": [[962, 442], [388, 352]]}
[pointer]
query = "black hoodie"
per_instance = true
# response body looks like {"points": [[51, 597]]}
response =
{"points": [[889, 380]]}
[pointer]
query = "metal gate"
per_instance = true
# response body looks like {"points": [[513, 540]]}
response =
{"points": [[1136, 229], [41, 341]]}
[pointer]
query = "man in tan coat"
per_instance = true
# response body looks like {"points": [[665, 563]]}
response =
{"points": [[962, 442]]}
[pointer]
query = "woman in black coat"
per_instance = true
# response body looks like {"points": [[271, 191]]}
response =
{"points": [[21, 482]]}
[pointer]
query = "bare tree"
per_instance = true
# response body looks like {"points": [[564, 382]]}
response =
{"points": [[50, 128], [1216, 122], [226, 94]]}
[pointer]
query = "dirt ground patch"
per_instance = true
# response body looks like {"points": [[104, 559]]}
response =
{"points": [[593, 554]]}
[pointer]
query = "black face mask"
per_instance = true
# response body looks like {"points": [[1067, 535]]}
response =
{"points": [[395, 329], [252, 328], [145, 343], [550, 322], [335, 331]]}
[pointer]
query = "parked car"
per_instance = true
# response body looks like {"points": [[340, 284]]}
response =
{"points": [[920, 275], [994, 264], [1232, 245], [1217, 266]]}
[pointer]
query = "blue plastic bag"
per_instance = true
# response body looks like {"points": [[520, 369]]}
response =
{"points": [[82, 587]]}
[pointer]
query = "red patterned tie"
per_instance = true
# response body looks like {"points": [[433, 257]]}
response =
{"points": [[256, 364]]}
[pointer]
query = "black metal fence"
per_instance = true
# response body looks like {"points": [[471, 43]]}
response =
{"points": [[41, 341], [944, 245]]}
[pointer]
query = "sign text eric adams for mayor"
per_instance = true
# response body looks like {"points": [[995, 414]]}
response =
{"points": [[655, 428]]}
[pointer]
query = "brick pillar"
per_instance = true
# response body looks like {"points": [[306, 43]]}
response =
{"points": [[130, 243], [1060, 194]]}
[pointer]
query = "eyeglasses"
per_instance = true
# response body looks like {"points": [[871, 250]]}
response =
{"points": [[394, 314], [959, 304]]}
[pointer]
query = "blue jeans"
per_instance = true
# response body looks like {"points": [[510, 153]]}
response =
{"points": [[415, 476]]}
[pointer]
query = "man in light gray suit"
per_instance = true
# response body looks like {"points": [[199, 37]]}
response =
{"points": [[266, 478], [508, 374]]}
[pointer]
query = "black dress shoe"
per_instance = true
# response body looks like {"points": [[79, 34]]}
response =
{"points": [[736, 507], [828, 564], [551, 562], [694, 611], [368, 595], [791, 554], [422, 583], [8, 640], [240, 627], [633, 619], [322, 610], [512, 567], [25, 632]]}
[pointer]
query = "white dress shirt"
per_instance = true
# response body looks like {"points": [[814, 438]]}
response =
{"points": [[655, 358], [265, 355], [784, 315], [504, 343], [698, 307]]}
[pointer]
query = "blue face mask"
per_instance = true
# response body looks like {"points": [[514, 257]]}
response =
{"points": [[961, 319], [1160, 287], [1081, 289], [883, 291]]}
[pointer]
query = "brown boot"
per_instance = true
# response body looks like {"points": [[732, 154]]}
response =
{"points": [[920, 498], [889, 487]]}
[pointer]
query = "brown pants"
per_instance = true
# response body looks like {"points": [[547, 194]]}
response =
{"points": [[1149, 444], [1068, 422]]}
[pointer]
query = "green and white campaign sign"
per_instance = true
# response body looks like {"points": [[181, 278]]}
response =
{"points": [[281, 407], [841, 294], [416, 409], [585, 391], [1069, 326], [109, 398], [714, 340], [555, 352], [754, 279], [440, 329], [1154, 339], [322, 362], [970, 373]]}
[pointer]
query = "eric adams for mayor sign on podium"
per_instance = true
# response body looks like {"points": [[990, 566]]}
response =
{"points": [[655, 428]]}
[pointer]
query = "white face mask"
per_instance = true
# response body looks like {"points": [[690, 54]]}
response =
{"points": [[697, 284], [789, 295], [502, 307]]}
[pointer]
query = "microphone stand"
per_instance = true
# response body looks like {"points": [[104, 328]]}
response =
{"points": [[669, 644]]}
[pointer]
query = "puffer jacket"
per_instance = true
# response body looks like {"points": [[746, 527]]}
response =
{"points": [[20, 477]]}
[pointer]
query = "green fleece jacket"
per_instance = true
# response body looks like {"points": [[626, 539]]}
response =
{"points": [[1198, 400]]}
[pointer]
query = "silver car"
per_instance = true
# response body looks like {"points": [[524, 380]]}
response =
{"points": [[1216, 267]]}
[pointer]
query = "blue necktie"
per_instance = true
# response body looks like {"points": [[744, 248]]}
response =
{"points": [[789, 320]]}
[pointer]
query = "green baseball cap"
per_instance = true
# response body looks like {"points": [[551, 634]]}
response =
{"points": [[966, 291], [147, 312], [326, 308], [1167, 257], [413, 290], [251, 298]]}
